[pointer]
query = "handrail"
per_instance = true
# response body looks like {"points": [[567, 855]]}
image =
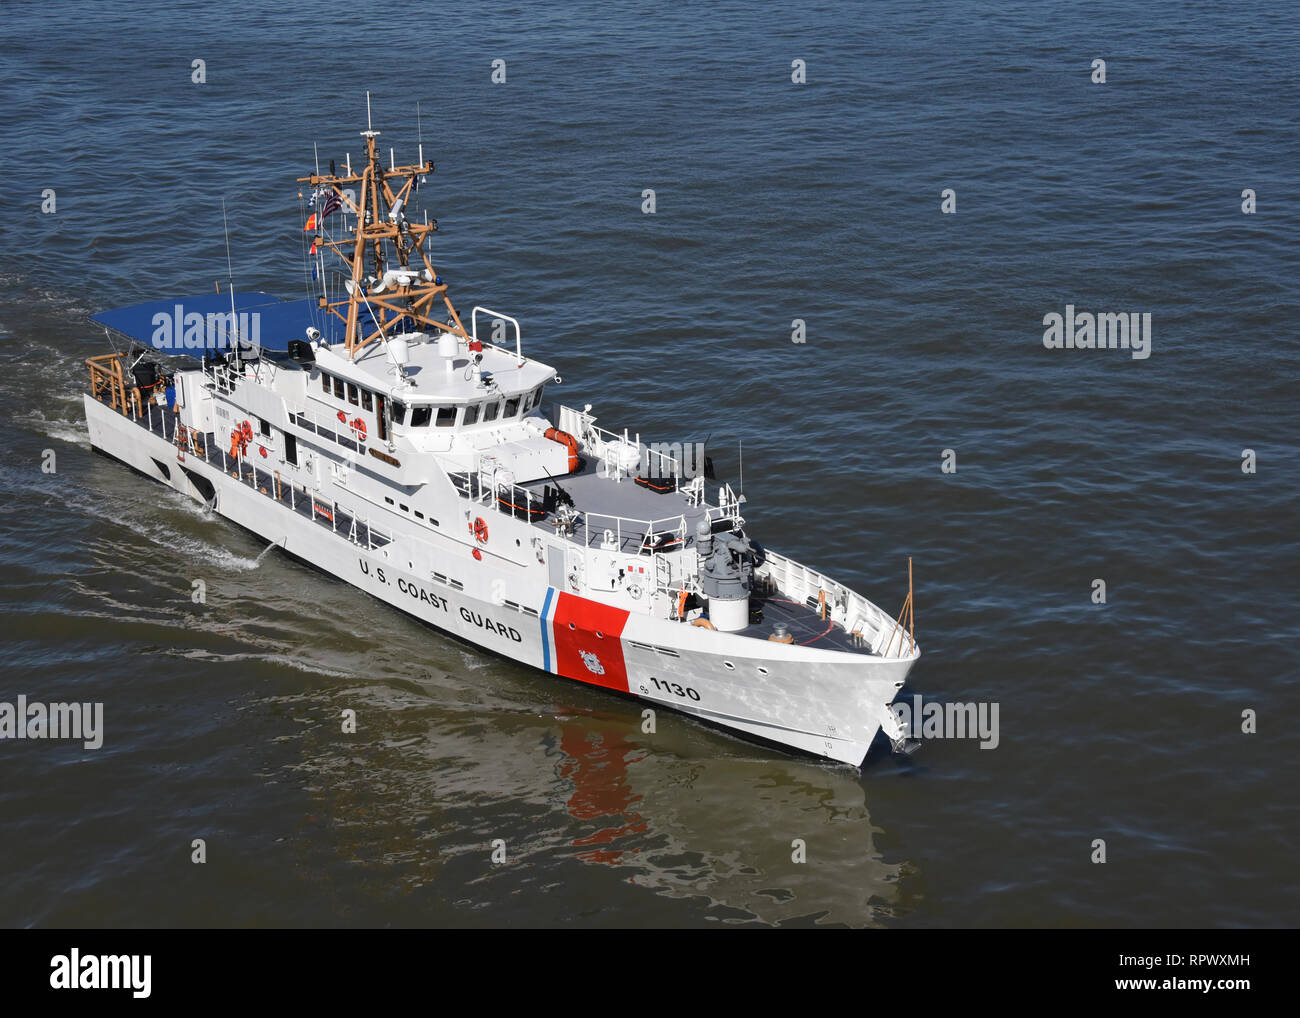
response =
{"points": [[247, 372], [184, 436], [850, 609], [596, 439], [473, 324], [333, 505], [312, 418], [483, 488]]}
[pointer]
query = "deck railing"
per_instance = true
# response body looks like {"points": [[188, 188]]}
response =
{"points": [[850, 609], [189, 441], [599, 442], [107, 379], [485, 487], [331, 428], [224, 376], [304, 501]]}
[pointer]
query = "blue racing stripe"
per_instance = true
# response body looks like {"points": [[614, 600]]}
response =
{"points": [[546, 625]]}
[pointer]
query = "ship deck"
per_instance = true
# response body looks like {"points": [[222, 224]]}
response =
{"points": [[624, 507], [803, 621], [600, 497], [301, 501]]}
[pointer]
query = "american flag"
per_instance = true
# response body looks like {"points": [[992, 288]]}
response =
{"points": [[332, 204]]}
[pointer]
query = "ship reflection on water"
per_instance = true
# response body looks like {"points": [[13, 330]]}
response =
{"points": [[600, 823], [597, 764], [723, 828]]}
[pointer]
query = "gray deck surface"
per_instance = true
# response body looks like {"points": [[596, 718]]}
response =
{"points": [[603, 496], [803, 622], [606, 500]]}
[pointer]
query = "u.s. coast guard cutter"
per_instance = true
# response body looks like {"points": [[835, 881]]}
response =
{"points": [[368, 432]]}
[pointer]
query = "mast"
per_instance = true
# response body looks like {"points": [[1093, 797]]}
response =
{"points": [[390, 275]]}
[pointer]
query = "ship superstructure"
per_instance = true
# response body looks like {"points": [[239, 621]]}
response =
{"points": [[371, 432]]}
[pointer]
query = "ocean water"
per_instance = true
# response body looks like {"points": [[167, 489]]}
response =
{"points": [[774, 201]]}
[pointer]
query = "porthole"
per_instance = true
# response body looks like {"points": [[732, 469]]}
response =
{"points": [[729, 666], [762, 670], [599, 635], [572, 626]]}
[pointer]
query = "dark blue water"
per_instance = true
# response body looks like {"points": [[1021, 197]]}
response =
{"points": [[775, 201]]}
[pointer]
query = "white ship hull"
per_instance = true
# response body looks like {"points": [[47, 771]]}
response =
{"points": [[829, 703]]}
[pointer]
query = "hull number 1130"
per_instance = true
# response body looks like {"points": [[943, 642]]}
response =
{"points": [[672, 687]]}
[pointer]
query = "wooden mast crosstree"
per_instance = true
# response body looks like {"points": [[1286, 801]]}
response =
{"points": [[377, 300]]}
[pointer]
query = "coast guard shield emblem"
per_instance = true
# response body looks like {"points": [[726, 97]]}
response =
{"points": [[588, 641]]}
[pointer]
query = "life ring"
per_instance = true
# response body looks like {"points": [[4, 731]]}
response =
{"points": [[343, 418], [358, 429], [479, 529], [569, 442], [634, 591]]}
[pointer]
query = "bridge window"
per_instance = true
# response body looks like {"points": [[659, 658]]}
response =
{"points": [[446, 416], [365, 400], [325, 383], [491, 410], [338, 388], [421, 415], [512, 407], [352, 394], [471, 414], [399, 412]]}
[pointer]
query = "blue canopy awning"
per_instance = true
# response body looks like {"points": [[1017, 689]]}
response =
{"points": [[196, 325]]}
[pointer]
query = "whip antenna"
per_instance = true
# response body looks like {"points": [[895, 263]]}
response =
{"points": [[230, 274]]}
